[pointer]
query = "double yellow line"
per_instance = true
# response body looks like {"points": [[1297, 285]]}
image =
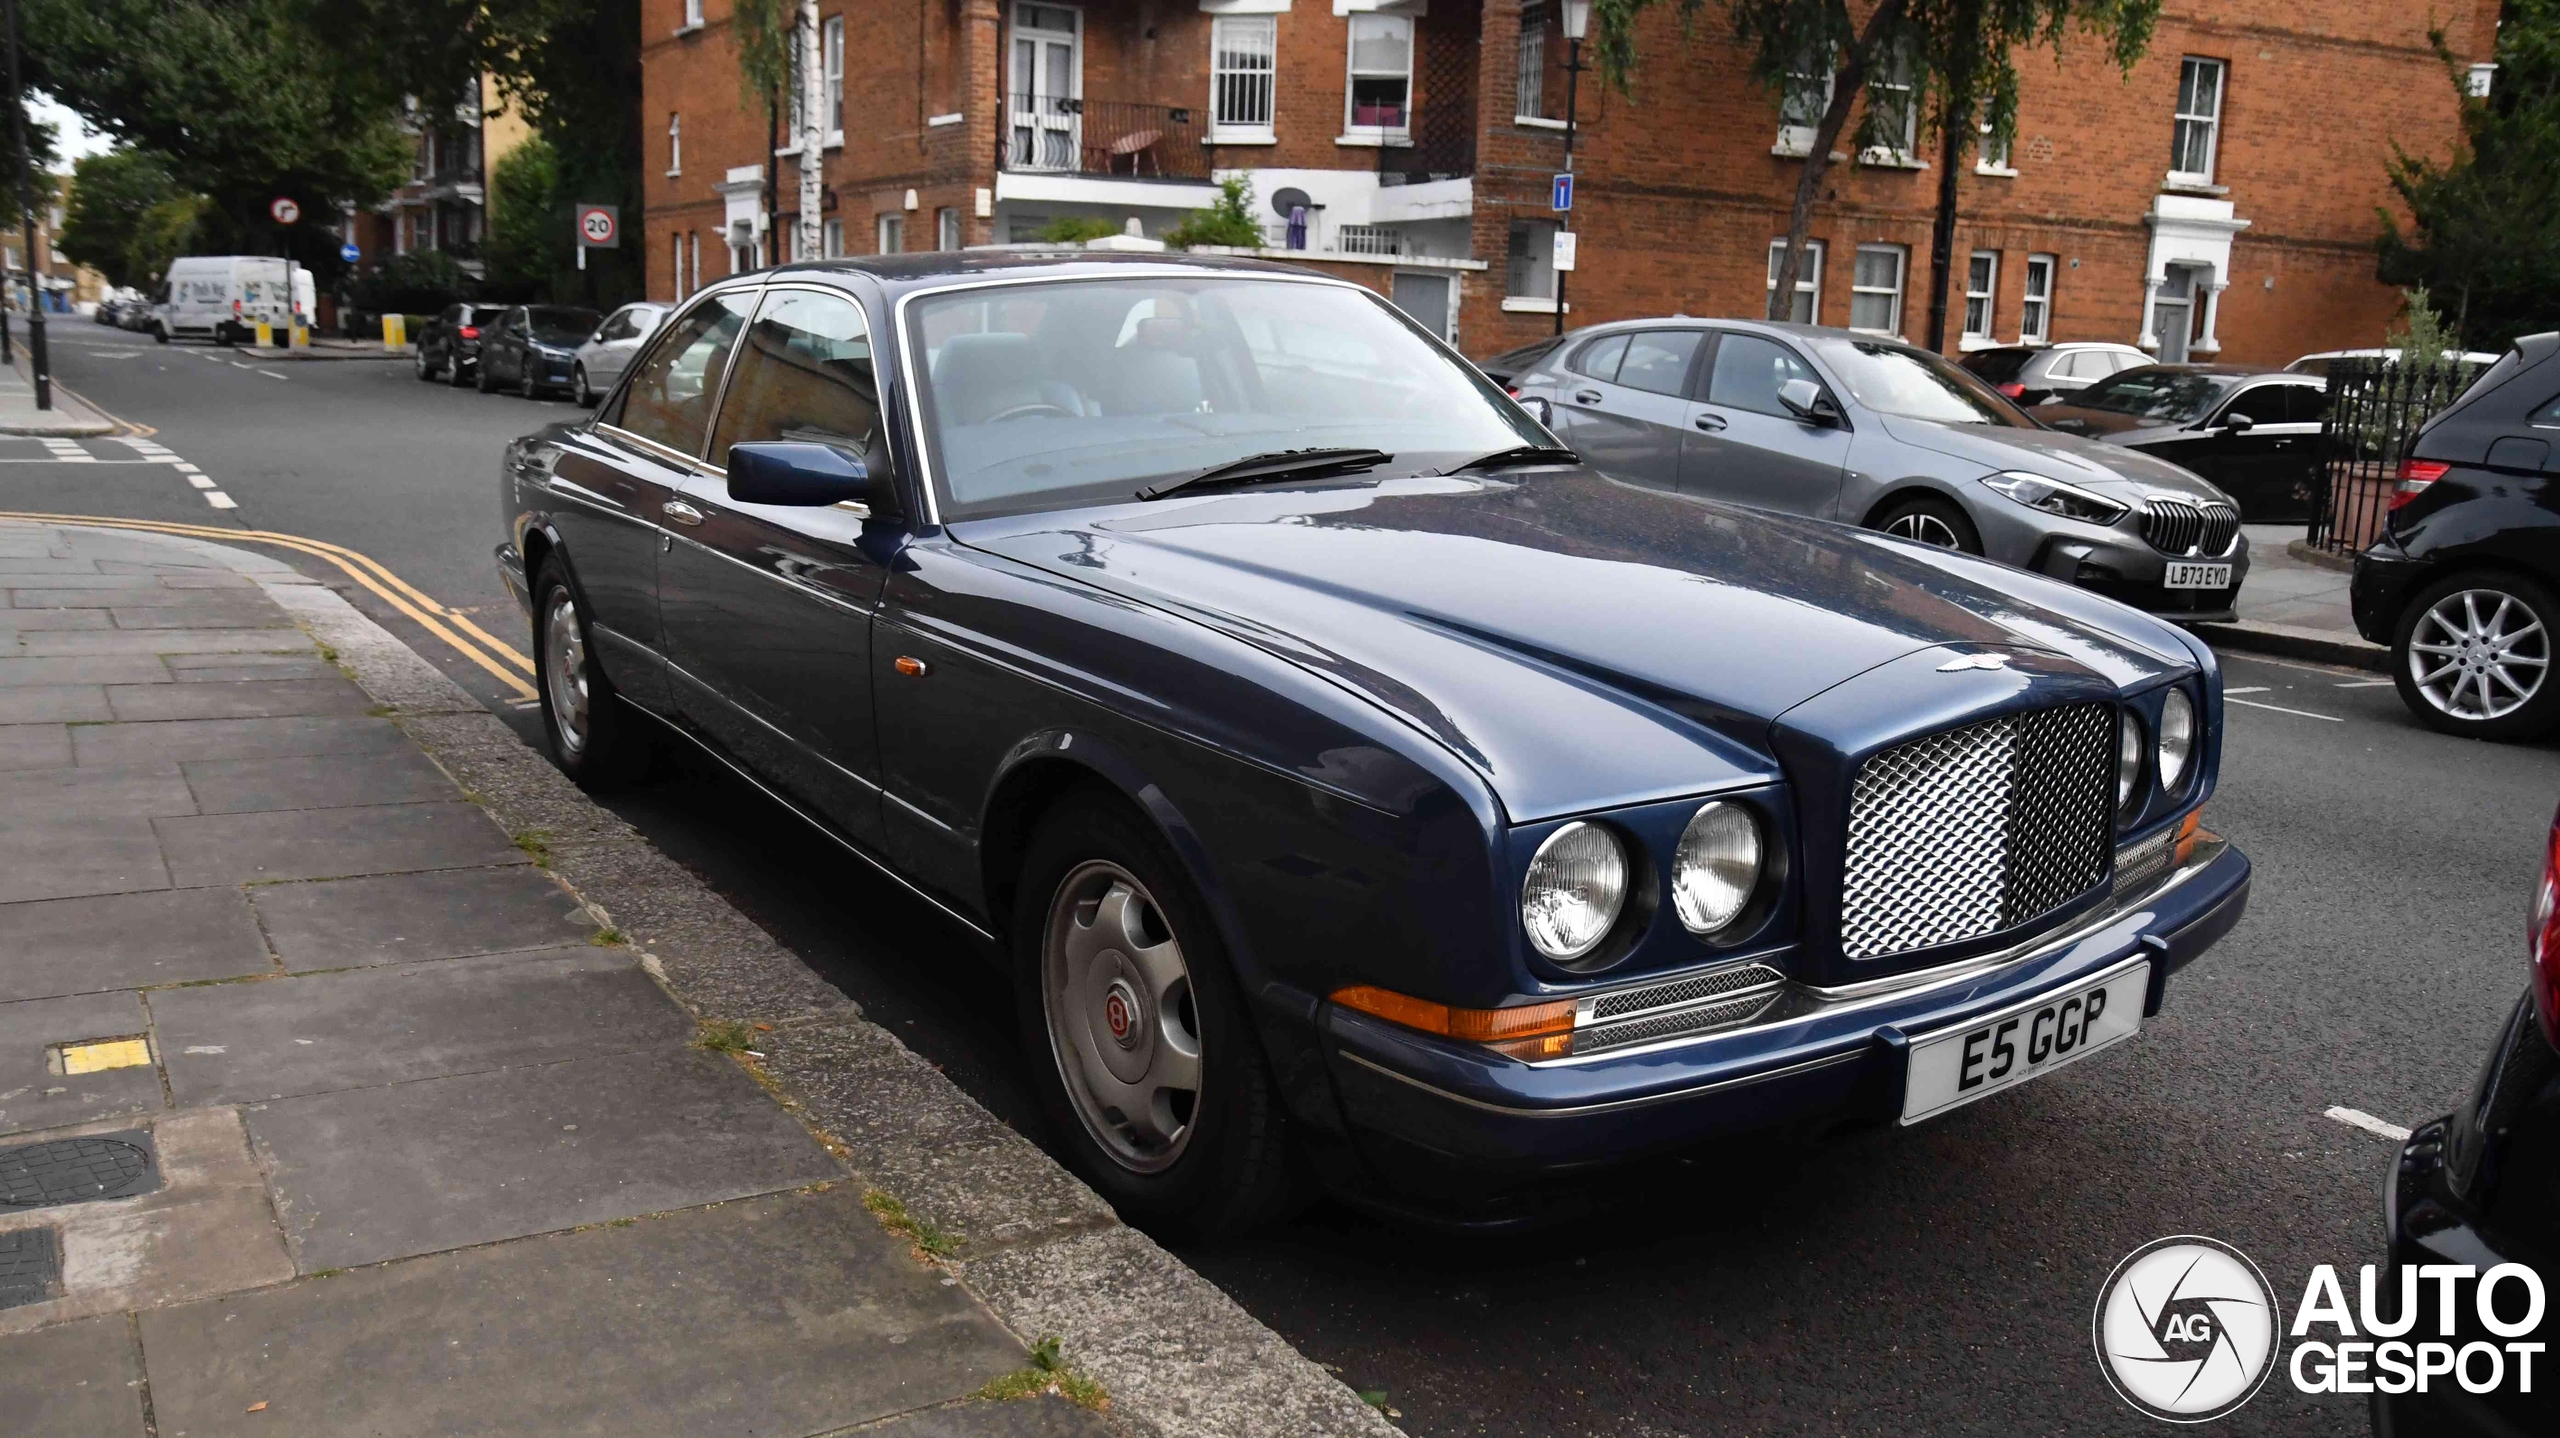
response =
{"points": [[503, 660]]}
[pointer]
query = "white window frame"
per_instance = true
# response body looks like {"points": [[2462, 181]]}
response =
{"points": [[2184, 121], [2036, 301], [1898, 76], [675, 143], [831, 65], [831, 238], [1540, 234], [1808, 276], [890, 232], [693, 256], [1989, 161], [946, 228], [1376, 134], [1901, 277], [1529, 69], [1244, 37], [692, 16], [1985, 294], [1803, 99]]}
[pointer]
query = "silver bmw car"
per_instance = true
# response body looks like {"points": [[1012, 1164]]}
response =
{"points": [[1868, 430]]}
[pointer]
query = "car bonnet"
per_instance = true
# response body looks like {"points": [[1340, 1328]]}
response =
{"points": [[2093, 464]]}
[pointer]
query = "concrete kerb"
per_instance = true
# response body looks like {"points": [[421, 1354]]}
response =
{"points": [[1038, 1248], [2294, 641]]}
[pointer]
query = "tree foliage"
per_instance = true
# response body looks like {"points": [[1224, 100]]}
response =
{"points": [[2481, 235], [128, 216], [1228, 220], [529, 235], [1959, 58]]}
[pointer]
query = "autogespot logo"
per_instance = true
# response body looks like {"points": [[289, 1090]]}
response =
{"points": [[2186, 1328]]}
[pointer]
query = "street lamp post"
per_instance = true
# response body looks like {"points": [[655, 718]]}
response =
{"points": [[26, 200], [1577, 23]]}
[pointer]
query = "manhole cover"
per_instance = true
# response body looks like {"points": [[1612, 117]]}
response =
{"points": [[27, 1267], [72, 1170]]}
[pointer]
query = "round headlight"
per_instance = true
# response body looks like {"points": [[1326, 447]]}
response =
{"points": [[1716, 866], [2177, 738], [1577, 884], [2128, 762]]}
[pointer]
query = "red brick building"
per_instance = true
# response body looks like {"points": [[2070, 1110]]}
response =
{"points": [[2219, 201]]}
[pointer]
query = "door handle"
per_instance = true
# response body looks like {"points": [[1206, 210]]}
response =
{"points": [[1711, 421], [1586, 396], [680, 512]]}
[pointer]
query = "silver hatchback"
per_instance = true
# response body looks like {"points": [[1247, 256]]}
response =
{"points": [[1868, 430], [600, 361]]}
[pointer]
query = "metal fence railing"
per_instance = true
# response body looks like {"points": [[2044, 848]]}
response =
{"points": [[1102, 137], [2376, 408]]}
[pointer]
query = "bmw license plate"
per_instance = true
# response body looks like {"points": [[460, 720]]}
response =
{"points": [[2187, 574], [1952, 1069]]}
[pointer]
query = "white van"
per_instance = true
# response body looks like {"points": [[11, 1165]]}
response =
{"points": [[223, 297]]}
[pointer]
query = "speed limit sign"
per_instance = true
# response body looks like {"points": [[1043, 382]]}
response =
{"points": [[284, 210], [599, 227]]}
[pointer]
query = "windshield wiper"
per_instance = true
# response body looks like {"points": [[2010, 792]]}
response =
{"points": [[1274, 464], [1518, 454]]}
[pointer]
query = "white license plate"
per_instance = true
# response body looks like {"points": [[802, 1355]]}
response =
{"points": [[2186, 574], [1952, 1069]]}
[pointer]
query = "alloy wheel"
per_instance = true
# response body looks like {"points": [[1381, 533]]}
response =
{"points": [[2479, 654], [564, 671], [1926, 528], [1124, 1027]]}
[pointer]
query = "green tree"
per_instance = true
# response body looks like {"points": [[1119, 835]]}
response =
{"points": [[2481, 235], [1228, 220], [126, 215], [529, 238], [1957, 57]]}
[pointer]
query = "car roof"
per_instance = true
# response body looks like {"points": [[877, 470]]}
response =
{"points": [[2230, 371], [931, 269]]}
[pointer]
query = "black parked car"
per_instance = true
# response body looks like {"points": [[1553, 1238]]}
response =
{"points": [[1334, 763], [449, 346], [534, 348], [2254, 433], [2032, 374], [2464, 582], [1502, 367], [2473, 1192]]}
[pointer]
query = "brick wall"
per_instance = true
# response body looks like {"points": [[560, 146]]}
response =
{"points": [[1679, 193]]}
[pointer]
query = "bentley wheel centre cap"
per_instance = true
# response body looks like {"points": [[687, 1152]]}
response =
{"points": [[1120, 1013]]}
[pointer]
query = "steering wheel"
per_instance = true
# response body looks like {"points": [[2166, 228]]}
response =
{"points": [[1024, 411]]}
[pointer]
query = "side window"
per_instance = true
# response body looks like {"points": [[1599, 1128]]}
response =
{"points": [[1600, 359], [619, 327], [1748, 371], [2305, 404], [803, 374], [1657, 361], [669, 397], [2265, 404]]}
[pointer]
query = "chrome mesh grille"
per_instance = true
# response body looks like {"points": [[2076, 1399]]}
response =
{"points": [[1685, 991], [1722, 1014], [1978, 829], [2186, 527], [2142, 864]]}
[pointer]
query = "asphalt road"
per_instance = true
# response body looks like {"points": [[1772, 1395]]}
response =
{"points": [[1931, 1280]]}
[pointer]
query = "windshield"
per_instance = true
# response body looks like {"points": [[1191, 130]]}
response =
{"points": [[1084, 391], [2168, 396], [1896, 379], [1998, 366], [555, 326]]}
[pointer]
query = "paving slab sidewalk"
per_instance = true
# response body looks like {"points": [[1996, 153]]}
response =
{"points": [[71, 416], [2294, 604], [396, 1044]]}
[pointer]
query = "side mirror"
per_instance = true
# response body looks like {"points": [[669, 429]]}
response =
{"points": [[1538, 408], [1804, 399], [2238, 423], [810, 475]]}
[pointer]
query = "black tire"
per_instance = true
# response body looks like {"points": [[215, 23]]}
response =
{"points": [[453, 371], [480, 374], [160, 332], [525, 387], [586, 396], [1233, 1172], [1929, 519], [426, 371], [613, 749], [2475, 672]]}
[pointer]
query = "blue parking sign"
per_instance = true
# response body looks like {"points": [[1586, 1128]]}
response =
{"points": [[349, 253], [1564, 192]]}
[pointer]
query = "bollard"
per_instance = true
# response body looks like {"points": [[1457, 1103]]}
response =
{"points": [[395, 332], [301, 337], [266, 334]]}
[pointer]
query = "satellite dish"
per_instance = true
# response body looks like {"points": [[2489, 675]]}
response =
{"points": [[1287, 198]]}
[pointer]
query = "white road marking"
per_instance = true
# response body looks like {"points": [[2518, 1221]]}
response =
{"points": [[200, 481], [2280, 709], [2358, 1118], [272, 374], [2365, 683], [2252, 689], [219, 500]]}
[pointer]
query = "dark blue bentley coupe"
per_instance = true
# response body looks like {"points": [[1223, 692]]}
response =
{"points": [[1352, 780]]}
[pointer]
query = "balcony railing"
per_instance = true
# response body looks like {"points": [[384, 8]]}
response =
{"points": [[1103, 137], [1443, 148]]}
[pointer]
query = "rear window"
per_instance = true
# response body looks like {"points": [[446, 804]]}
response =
{"points": [[1998, 366], [560, 326], [2166, 395], [1514, 361]]}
